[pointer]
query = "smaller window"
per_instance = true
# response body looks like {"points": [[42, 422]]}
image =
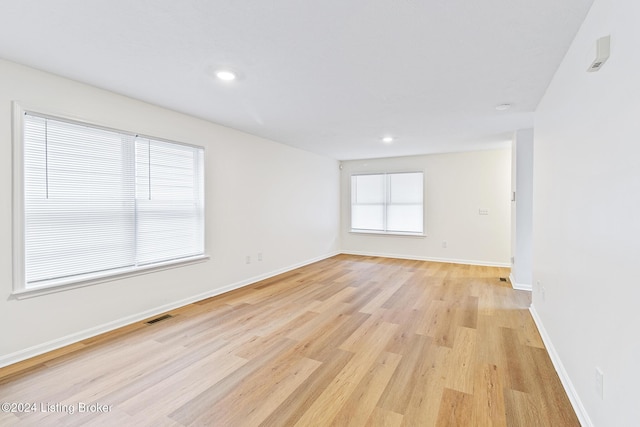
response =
{"points": [[388, 203]]}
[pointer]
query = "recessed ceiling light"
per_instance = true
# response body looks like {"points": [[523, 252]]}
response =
{"points": [[225, 75], [387, 139], [503, 107]]}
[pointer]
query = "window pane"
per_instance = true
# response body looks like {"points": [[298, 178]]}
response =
{"points": [[167, 230], [66, 239], [405, 188], [367, 189], [405, 218], [78, 200], [170, 205], [367, 217]]}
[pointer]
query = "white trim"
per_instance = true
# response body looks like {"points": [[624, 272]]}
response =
{"points": [[421, 258], [386, 233], [519, 286], [17, 209], [578, 407], [52, 345], [90, 279]]}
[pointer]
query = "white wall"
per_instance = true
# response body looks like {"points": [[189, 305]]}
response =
{"points": [[457, 185], [522, 209], [261, 196], [586, 216]]}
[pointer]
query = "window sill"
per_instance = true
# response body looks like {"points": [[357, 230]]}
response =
{"points": [[94, 279], [384, 233]]}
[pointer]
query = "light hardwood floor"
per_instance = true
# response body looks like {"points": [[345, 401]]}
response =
{"points": [[348, 341]]}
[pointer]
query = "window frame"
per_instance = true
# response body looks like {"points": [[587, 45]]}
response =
{"points": [[387, 233], [20, 289]]}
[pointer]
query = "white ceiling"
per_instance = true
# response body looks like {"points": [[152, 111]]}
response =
{"points": [[330, 76]]}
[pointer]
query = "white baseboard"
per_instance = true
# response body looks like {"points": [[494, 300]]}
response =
{"points": [[578, 407], [520, 286], [46, 347], [420, 258]]}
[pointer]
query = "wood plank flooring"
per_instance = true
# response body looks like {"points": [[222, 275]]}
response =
{"points": [[348, 341]]}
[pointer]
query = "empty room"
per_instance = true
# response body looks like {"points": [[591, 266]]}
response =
{"points": [[284, 213]]}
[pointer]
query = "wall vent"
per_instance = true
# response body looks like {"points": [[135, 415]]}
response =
{"points": [[159, 319]]}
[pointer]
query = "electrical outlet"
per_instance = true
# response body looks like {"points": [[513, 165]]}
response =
{"points": [[540, 289], [248, 260], [600, 383], [444, 244], [259, 256]]}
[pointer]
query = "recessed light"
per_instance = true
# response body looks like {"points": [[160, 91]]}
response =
{"points": [[387, 139], [226, 75], [503, 107]]}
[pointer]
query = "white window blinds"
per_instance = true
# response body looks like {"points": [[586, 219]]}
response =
{"points": [[169, 201], [387, 203], [100, 202]]}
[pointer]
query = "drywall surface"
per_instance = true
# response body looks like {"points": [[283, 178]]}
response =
{"points": [[586, 228], [457, 186], [261, 197]]}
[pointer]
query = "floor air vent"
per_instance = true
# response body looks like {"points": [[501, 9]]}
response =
{"points": [[503, 279], [159, 319]]}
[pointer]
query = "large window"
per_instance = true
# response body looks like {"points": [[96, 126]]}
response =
{"points": [[97, 202], [387, 203]]}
